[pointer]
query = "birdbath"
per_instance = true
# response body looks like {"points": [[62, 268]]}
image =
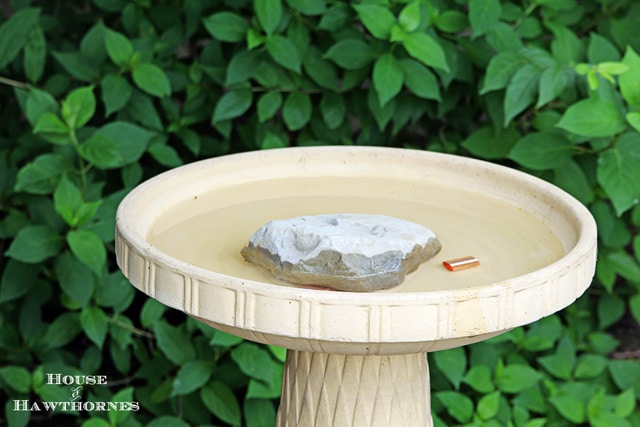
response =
{"points": [[357, 358]]}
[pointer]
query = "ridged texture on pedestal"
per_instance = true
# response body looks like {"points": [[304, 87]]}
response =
{"points": [[345, 390]]}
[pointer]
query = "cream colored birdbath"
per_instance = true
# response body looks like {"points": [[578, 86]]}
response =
{"points": [[357, 359]]}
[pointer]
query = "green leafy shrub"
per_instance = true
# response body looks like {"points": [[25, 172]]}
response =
{"points": [[97, 96]]}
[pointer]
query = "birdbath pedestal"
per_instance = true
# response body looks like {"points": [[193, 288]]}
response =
{"points": [[357, 359]]}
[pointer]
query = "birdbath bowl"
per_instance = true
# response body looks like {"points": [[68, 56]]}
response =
{"points": [[357, 358]]}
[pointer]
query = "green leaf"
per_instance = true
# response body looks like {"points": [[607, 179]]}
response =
{"points": [[500, 70], [14, 33], [269, 13], [92, 44], [77, 65], [17, 279], [488, 405], [253, 361], [602, 342], [452, 21], [95, 324], [232, 104], [625, 374], [387, 77], [629, 86], [88, 248], [601, 49], [284, 52], [458, 405], [590, 366], [221, 401], [553, 81], [118, 416], [336, 17], [484, 15], [542, 150], [426, 49], [39, 102], [521, 91], [35, 54], [625, 403], [164, 154], [566, 47], [174, 343], [241, 67], [152, 312], [489, 144], [503, 38], [119, 48], [570, 407], [78, 107], [34, 244], [350, 54], [560, 364], [410, 15], [452, 363], [271, 389], [382, 115], [610, 309], [271, 140], [333, 109], [259, 412], [67, 200], [62, 330], [419, 80], [633, 119], [479, 378], [619, 172], [115, 145], [377, 19], [41, 175], [224, 339], [572, 178], [191, 376], [516, 378], [16, 377], [625, 265], [296, 111], [75, 278], [116, 92], [50, 123], [321, 71], [594, 118], [151, 79], [227, 26], [268, 105]]}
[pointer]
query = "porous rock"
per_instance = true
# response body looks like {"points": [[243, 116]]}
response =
{"points": [[349, 252]]}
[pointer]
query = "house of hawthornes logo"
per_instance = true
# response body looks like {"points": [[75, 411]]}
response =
{"points": [[76, 384]]}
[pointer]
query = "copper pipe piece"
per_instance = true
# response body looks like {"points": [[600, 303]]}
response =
{"points": [[461, 263]]}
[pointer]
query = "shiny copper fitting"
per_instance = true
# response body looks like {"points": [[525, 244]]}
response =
{"points": [[461, 263]]}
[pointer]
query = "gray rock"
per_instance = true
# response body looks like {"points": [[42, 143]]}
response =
{"points": [[349, 252]]}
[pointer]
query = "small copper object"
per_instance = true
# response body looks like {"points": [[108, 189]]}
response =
{"points": [[461, 263]]}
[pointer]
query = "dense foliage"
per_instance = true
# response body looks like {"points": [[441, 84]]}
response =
{"points": [[96, 96]]}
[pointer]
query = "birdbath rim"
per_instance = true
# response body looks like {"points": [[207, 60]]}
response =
{"points": [[353, 322]]}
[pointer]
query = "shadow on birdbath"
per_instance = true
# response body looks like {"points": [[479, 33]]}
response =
{"points": [[357, 358]]}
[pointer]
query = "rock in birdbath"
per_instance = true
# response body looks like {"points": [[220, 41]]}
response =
{"points": [[349, 252]]}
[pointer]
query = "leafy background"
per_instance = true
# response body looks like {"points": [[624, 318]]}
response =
{"points": [[96, 96]]}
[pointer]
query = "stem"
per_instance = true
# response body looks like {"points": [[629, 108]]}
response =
{"points": [[83, 166], [13, 83], [133, 329]]}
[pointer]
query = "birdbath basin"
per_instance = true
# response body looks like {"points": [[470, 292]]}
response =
{"points": [[357, 358]]}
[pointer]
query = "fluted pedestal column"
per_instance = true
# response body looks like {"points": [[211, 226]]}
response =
{"points": [[324, 390]]}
